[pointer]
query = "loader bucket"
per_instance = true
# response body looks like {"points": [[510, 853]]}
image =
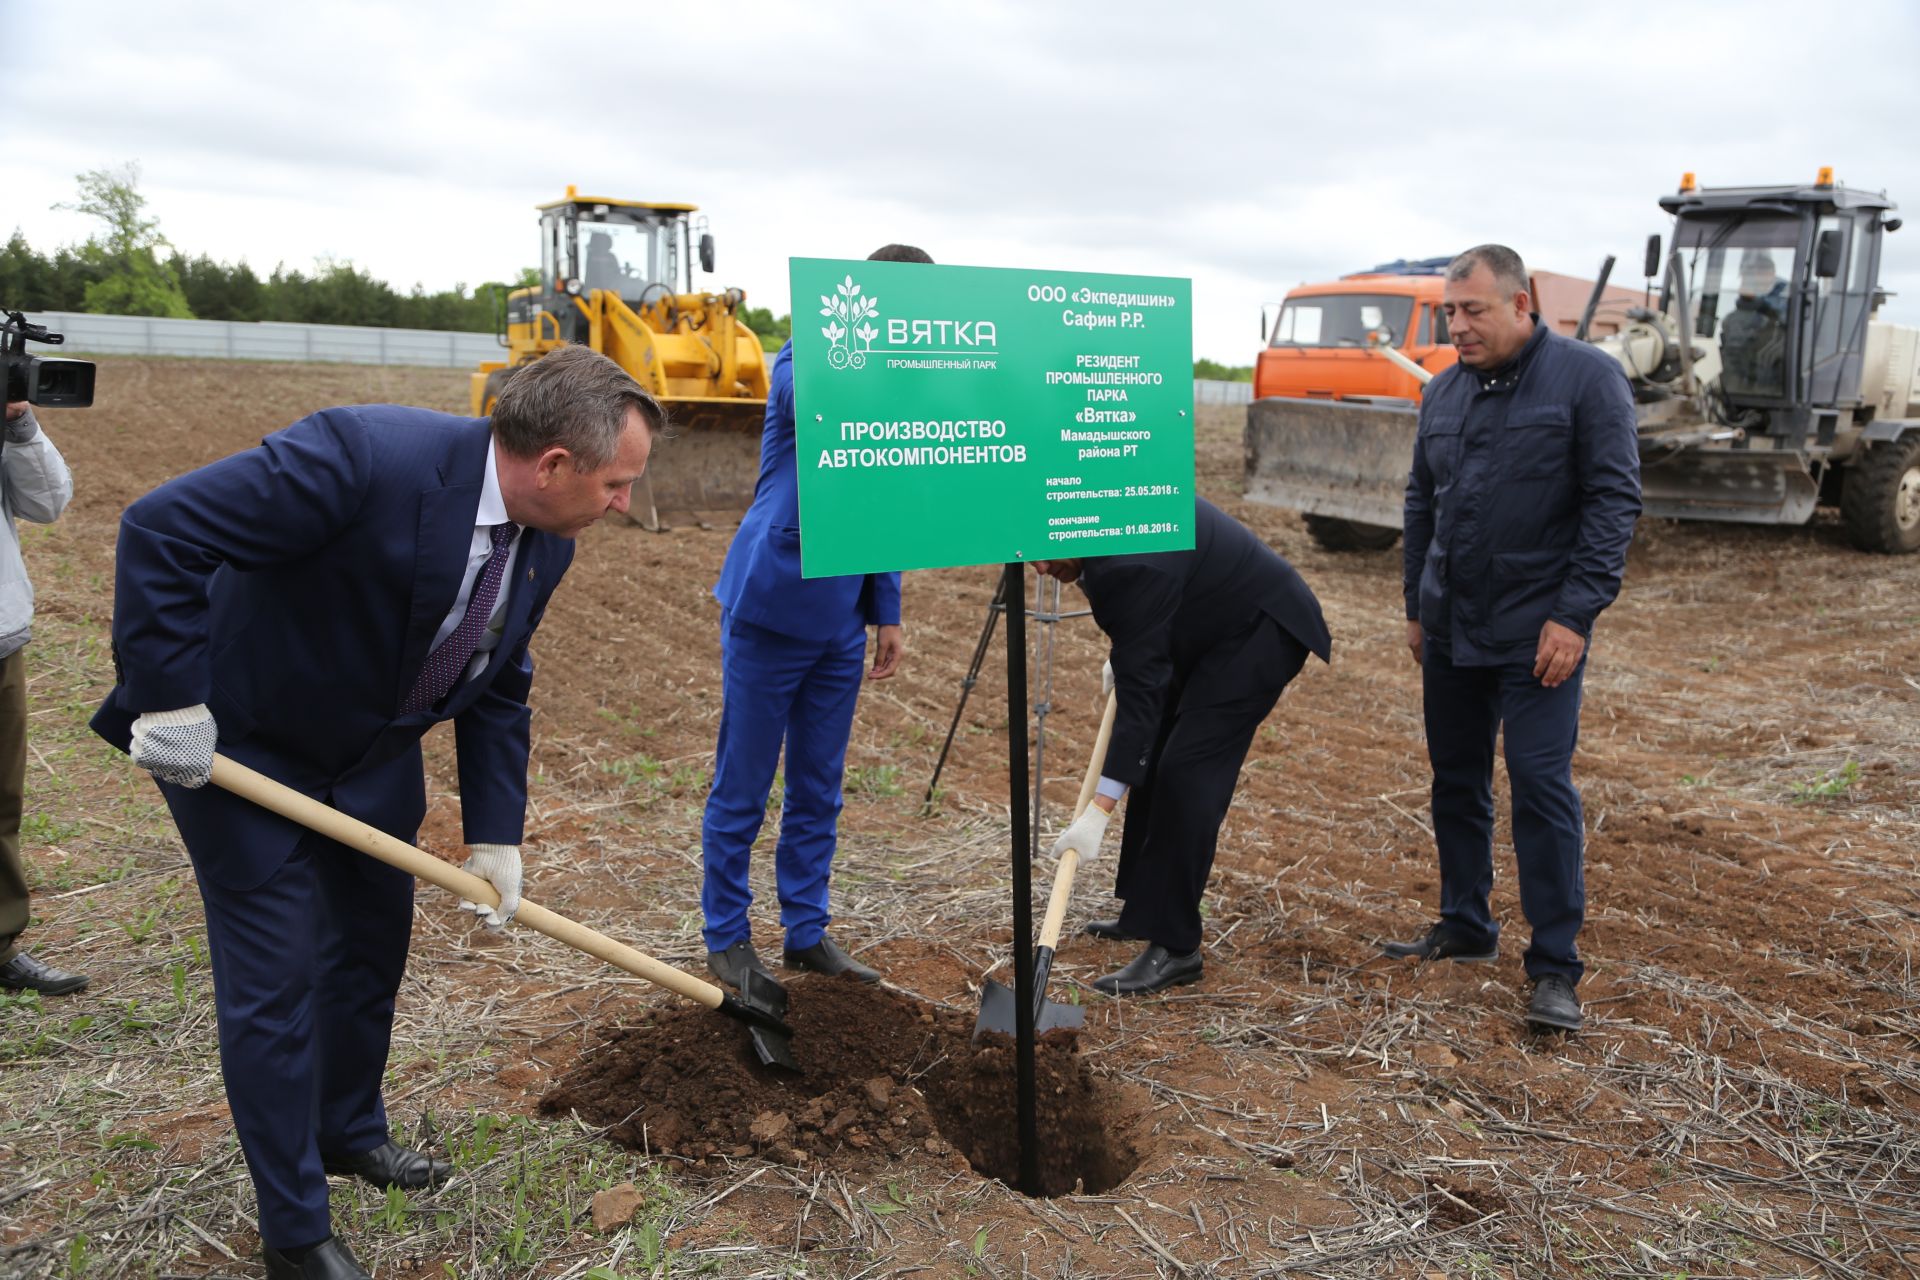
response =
{"points": [[1331, 457], [703, 471]]}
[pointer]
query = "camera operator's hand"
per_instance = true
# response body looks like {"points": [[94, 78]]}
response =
{"points": [[15, 408]]}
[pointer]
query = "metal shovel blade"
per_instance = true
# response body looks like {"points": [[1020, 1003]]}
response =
{"points": [[1000, 1009], [762, 1005]]}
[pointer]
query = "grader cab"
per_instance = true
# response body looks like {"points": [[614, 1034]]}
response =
{"points": [[617, 276]]}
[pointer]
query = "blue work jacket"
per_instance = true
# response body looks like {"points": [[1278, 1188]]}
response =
{"points": [[1521, 502]]}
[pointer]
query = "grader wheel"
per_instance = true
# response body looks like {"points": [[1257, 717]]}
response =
{"points": [[1881, 499]]}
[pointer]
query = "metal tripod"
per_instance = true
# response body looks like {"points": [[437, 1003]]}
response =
{"points": [[1046, 611]]}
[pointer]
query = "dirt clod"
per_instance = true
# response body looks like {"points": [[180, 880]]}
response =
{"points": [[614, 1208], [682, 1080]]}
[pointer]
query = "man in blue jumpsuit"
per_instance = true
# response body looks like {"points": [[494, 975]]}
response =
{"points": [[791, 652], [1522, 499]]}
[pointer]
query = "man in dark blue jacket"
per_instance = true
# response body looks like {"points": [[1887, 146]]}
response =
{"points": [[1522, 498], [791, 651], [312, 607]]}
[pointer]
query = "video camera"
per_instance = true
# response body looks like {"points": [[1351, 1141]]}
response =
{"points": [[43, 380]]}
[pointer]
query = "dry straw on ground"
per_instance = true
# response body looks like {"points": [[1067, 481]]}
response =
{"points": [[1743, 1102]]}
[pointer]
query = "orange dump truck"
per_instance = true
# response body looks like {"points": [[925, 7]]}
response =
{"points": [[1317, 346]]}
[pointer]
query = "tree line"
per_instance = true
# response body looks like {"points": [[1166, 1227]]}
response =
{"points": [[129, 268]]}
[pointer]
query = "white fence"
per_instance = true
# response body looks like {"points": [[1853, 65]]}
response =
{"points": [[338, 344], [1216, 391], [241, 340]]}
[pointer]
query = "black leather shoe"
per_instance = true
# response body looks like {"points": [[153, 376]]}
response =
{"points": [[731, 965], [390, 1165], [24, 973], [1154, 969], [1442, 943], [1554, 1007], [825, 956], [1108, 930], [328, 1260]]}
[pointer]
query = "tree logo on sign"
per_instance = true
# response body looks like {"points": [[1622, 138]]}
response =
{"points": [[847, 324]]}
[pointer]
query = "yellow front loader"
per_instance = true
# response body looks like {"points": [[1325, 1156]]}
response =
{"points": [[617, 276]]}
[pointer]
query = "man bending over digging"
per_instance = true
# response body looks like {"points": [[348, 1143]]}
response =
{"points": [[312, 607], [1204, 641]]}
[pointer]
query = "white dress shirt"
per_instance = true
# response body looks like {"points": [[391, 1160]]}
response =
{"points": [[493, 511]]}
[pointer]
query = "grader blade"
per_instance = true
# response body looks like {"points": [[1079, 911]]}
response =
{"points": [[1331, 458], [1742, 486], [703, 471]]}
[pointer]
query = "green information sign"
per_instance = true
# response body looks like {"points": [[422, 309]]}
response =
{"points": [[978, 415]]}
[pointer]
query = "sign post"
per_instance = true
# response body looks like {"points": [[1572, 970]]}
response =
{"points": [[981, 415]]}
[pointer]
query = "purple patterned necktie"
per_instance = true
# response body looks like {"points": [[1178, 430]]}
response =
{"points": [[447, 661]]}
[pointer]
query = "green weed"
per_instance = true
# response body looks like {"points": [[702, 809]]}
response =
{"points": [[878, 781], [1832, 783]]}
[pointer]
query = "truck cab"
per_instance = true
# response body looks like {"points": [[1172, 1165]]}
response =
{"points": [[1318, 345]]}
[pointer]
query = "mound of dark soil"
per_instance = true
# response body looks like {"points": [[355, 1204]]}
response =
{"points": [[883, 1075]]}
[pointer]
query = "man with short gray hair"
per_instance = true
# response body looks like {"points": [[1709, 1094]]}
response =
{"points": [[312, 607], [1522, 498]]}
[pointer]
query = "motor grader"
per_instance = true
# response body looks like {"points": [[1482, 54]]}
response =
{"points": [[617, 276], [1765, 387]]}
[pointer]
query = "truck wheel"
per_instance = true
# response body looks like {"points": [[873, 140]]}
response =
{"points": [[1881, 500], [1336, 534]]}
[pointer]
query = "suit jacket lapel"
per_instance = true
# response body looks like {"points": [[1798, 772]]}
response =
{"points": [[529, 568], [447, 515]]}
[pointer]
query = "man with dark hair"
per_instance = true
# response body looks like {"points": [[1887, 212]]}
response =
{"points": [[34, 485], [791, 650], [1203, 643], [604, 270], [1753, 339], [1521, 501], [312, 607]]}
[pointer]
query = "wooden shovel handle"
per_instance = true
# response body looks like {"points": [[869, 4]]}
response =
{"points": [[1070, 860], [355, 834]]}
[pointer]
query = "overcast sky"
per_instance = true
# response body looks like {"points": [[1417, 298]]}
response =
{"points": [[1249, 146]]}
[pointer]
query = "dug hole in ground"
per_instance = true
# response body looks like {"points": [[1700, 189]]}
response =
{"points": [[1742, 1102]]}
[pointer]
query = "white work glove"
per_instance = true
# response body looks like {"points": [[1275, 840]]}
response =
{"points": [[499, 866], [1106, 677], [176, 746], [1083, 837]]}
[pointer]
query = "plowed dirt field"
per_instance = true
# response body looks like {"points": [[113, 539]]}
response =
{"points": [[1742, 1103]]}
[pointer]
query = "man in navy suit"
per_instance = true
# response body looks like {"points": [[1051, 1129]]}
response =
{"points": [[312, 607], [791, 650]]}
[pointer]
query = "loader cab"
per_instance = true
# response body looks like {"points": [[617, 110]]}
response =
{"points": [[619, 245], [643, 252], [1782, 280]]}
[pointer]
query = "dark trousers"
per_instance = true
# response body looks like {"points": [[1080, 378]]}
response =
{"points": [[1173, 818], [778, 691], [1466, 707], [13, 785], [305, 969]]}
